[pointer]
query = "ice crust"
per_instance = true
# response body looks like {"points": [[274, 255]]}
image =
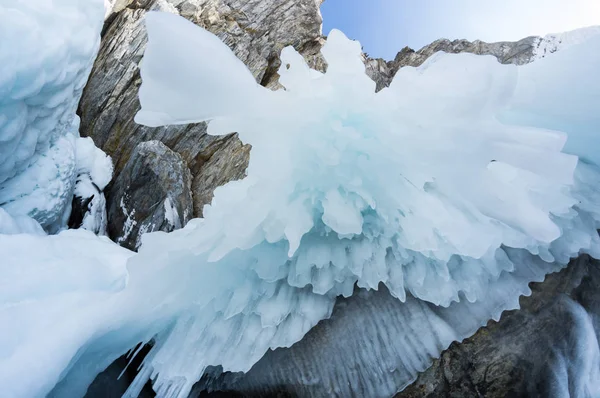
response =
{"points": [[447, 187], [45, 60]]}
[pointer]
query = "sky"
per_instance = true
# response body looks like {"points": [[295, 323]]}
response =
{"points": [[386, 26]]}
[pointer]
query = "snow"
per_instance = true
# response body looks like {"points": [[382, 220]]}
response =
{"points": [[93, 162], [171, 214], [129, 221], [453, 193], [94, 172], [554, 42], [42, 76]]}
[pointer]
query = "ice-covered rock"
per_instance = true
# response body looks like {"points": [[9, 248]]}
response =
{"points": [[152, 193], [94, 172], [256, 30], [361, 191], [519, 52], [549, 44]]}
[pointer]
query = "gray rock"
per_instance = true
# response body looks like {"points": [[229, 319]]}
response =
{"points": [[228, 163], [152, 193], [530, 351]]}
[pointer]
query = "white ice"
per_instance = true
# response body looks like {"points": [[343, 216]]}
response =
{"points": [[428, 187], [46, 56], [94, 172]]}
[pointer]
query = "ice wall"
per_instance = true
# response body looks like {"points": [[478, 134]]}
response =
{"points": [[47, 54]]}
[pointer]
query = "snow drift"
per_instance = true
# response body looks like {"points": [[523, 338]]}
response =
{"points": [[449, 188], [45, 60]]}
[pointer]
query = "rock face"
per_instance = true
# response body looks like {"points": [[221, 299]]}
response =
{"points": [[528, 352], [152, 193], [517, 53]]}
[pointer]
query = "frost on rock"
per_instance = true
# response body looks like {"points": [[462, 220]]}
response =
{"points": [[45, 59], [10, 225], [451, 192]]}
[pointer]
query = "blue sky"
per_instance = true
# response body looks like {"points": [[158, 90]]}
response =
{"points": [[385, 26]]}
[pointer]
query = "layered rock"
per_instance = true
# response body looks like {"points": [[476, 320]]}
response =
{"points": [[152, 193]]}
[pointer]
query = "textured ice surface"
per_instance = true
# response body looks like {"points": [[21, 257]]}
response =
{"points": [[44, 190], [570, 103], [447, 187], [47, 53], [398, 341]]}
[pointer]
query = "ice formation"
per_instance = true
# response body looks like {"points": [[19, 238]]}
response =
{"points": [[41, 79], [94, 172], [447, 187], [549, 44], [345, 185]]}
